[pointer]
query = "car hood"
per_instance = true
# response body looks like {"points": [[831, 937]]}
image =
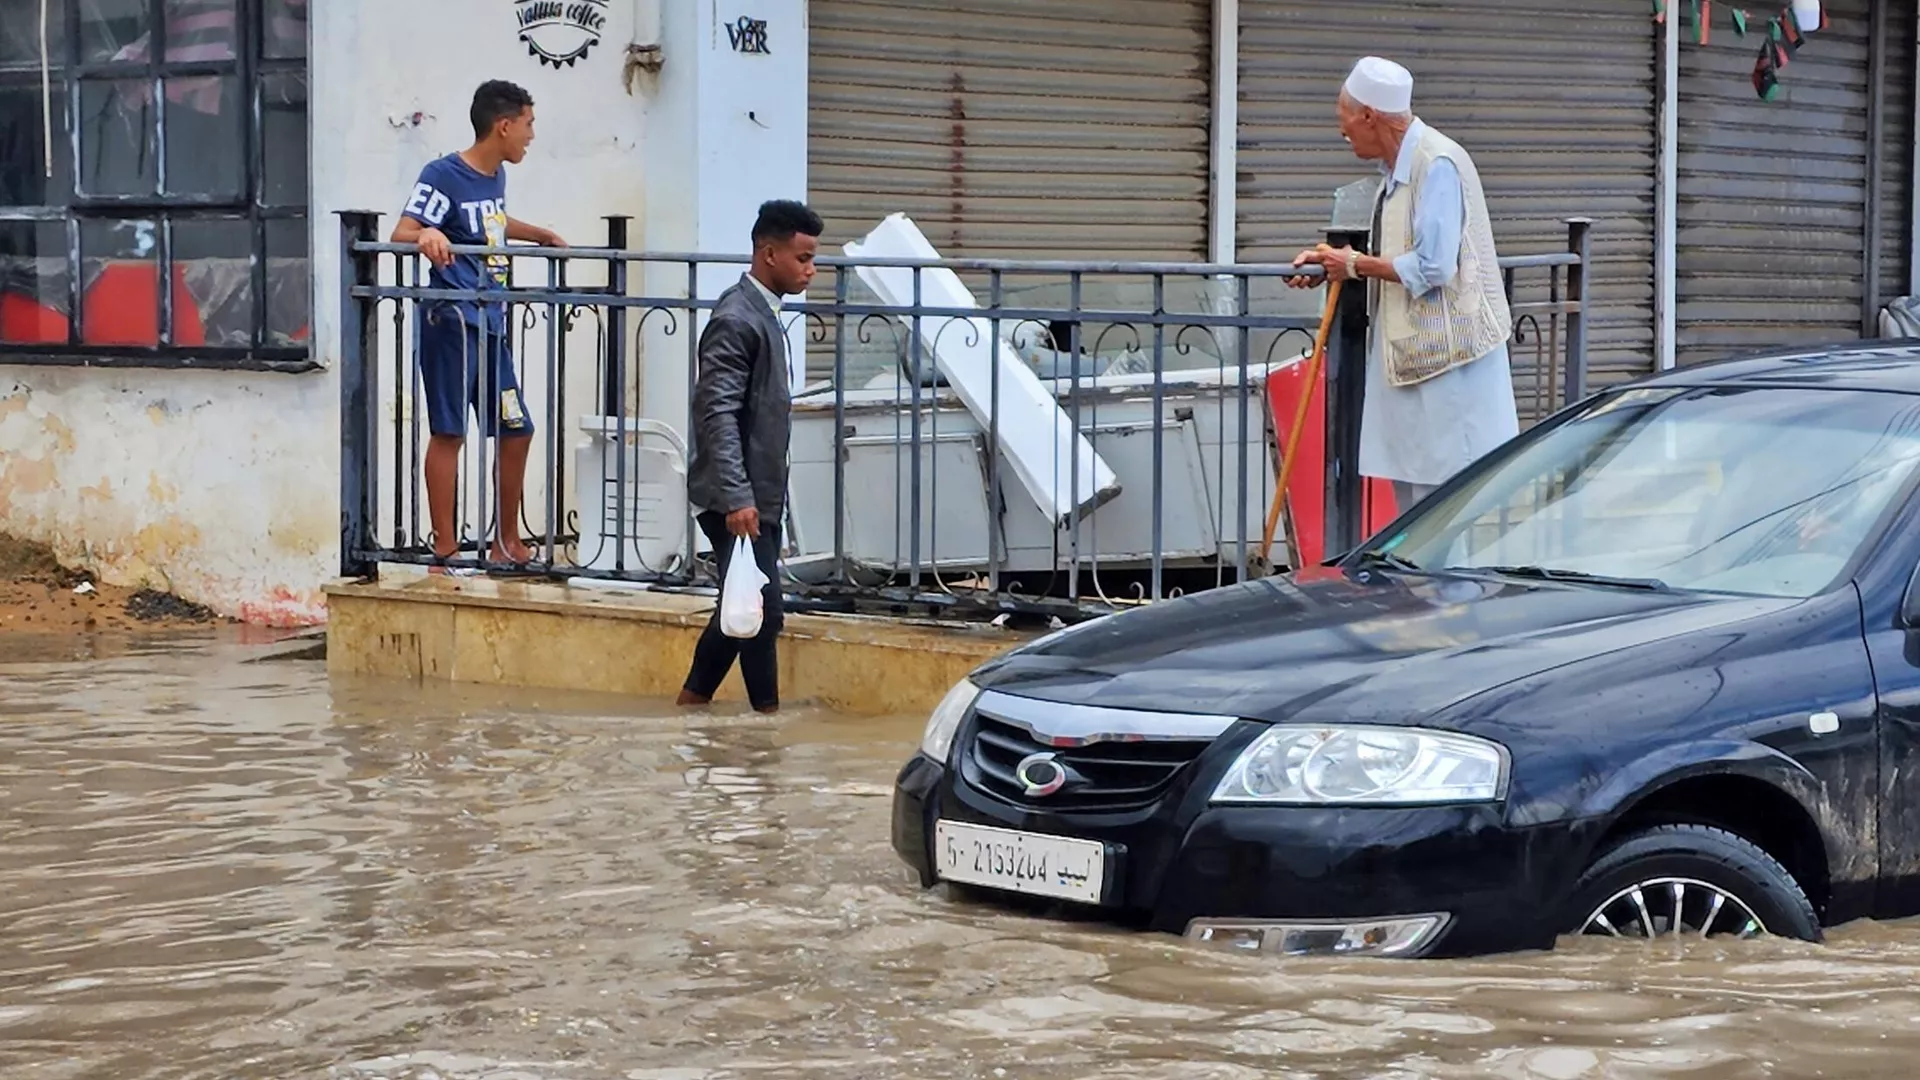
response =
{"points": [[1365, 647]]}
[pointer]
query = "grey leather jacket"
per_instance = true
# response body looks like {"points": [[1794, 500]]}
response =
{"points": [[742, 407]]}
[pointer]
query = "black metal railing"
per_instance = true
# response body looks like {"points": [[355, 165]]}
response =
{"points": [[918, 482]]}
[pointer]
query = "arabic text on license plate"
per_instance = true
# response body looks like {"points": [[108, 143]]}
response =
{"points": [[1021, 862]]}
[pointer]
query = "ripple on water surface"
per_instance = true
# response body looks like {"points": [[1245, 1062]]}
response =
{"points": [[214, 868]]}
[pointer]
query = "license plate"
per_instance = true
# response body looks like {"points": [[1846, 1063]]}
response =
{"points": [[1022, 862]]}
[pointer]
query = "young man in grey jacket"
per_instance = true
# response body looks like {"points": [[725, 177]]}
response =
{"points": [[737, 478]]}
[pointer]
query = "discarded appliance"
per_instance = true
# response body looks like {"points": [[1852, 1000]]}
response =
{"points": [[963, 532], [656, 511], [1035, 433]]}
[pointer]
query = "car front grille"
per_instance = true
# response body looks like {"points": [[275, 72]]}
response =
{"points": [[1105, 776]]}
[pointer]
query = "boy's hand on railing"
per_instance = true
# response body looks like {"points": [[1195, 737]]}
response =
{"points": [[529, 233], [435, 246]]}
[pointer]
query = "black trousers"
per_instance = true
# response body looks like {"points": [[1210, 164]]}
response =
{"points": [[713, 657]]}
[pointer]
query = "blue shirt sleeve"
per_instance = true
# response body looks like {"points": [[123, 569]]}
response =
{"points": [[429, 203], [1439, 218]]}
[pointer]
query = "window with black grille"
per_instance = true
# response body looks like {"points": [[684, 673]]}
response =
{"points": [[153, 183]]}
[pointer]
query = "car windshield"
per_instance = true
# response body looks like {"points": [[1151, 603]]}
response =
{"points": [[1757, 491]]}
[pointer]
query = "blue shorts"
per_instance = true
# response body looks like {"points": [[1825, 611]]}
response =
{"points": [[450, 378]]}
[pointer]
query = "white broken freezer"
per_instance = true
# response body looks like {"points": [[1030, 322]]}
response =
{"points": [[1035, 433]]}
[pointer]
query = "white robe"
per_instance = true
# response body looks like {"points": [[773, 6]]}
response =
{"points": [[1424, 433]]}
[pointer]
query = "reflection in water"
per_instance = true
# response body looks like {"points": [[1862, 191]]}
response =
{"points": [[210, 869]]}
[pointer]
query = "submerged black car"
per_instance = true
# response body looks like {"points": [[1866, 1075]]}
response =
{"points": [[1652, 668]]}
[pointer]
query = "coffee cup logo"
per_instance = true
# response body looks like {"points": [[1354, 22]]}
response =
{"points": [[559, 32]]}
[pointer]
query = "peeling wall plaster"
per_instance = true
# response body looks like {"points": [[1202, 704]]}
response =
{"points": [[224, 486]]}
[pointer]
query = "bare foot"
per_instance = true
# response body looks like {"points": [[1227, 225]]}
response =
{"points": [[768, 710], [689, 699]]}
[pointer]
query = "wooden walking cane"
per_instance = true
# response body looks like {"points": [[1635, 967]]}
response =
{"points": [[1314, 363]]}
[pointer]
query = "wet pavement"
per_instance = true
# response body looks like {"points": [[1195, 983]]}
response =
{"points": [[211, 868]]}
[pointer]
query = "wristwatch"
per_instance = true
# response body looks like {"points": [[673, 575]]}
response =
{"points": [[1353, 263]]}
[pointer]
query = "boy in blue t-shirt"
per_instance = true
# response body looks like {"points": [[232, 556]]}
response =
{"points": [[461, 199]]}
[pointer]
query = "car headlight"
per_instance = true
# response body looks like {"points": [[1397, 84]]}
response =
{"points": [[938, 739], [1365, 766]]}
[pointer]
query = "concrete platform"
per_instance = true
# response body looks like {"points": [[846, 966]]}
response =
{"points": [[549, 635]]}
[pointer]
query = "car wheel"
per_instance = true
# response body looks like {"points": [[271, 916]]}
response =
{"points": [[1691, 881]]}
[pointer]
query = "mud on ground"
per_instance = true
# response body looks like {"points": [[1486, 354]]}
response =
{"points": [[40, 596]]}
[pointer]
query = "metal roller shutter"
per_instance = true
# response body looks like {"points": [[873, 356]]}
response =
{"points": [[1772, 200], [1014, 128], [1896, 155], [1554, 101]]}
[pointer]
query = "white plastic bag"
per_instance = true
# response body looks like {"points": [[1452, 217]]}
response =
{"points": [[741, 604]]}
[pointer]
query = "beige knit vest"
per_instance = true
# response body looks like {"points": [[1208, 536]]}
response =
{"points": [[1468, 317]]}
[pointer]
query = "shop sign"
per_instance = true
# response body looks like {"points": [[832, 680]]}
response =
{"points": [[748, 35], [559, 32]]}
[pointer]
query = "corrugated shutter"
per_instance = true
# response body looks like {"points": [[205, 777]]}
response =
{"points": [[1014, 128], [1896, 155], [1554, 101], [1772, 195]]}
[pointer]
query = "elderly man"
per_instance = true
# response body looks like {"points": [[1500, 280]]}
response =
{"points": [[1439, 386]]}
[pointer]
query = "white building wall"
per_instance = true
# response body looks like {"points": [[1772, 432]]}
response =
{"points": [[223, 487], [206, 483], [728, 131]]}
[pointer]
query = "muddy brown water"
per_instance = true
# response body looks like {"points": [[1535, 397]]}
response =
{"points": [[221, 869]]}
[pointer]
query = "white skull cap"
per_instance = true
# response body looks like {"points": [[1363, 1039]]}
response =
{"points": [[1381, 85]]}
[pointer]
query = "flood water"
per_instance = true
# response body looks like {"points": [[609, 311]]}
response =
{"points": [[221, 869]]}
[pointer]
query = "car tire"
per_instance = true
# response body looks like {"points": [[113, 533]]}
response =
{"points": [[1701, 861]]}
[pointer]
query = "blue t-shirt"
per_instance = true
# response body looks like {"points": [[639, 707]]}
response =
{"points": [[471, 208]]}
